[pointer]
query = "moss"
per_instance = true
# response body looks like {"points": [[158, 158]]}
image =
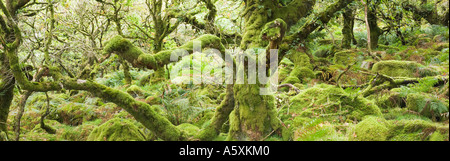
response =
{"points": [[153, 100], [411, 126], [426, 105], [213, 127], [205, 119], [395, 68], [145, 80], [79, 97], [317, 130], [284, 69], [123, 47], [325, 51], [415, 129], [301, 70], [345, 57], [116, 130], [390, 100], [221, 137], [189, 129], [291, 80], [406, 137], [255, 115], [439, 46], [73, 114], [436, 136], [386, 47], [421, 41], [299, 59], [135, 91], [80, 133], [137, 58], [274, 30], [330, 101], [402, 114], [370, 129], [39, 134]]}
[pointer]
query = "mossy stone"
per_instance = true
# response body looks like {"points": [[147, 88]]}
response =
{"points": [[328, 100], [135, 91], [370, 129], [396, 68], [189, 129], [116, 129], [345, 57]]}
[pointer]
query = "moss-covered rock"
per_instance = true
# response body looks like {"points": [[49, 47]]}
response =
{"points": [[116, 129], [370, 129], [395, 68], [426, 105], [388, 100], [79, 97], [325, 51], [330, 101], [439, 46], [413, 130], [189, 129], [79, 133], [153, 100], [422, 41], [317, 130], [345, 57], [73, 114], [437, 136], [135, 91], [284, 69]]}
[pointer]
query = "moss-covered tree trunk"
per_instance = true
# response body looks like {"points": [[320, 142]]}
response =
{"points": [[375, 31], [6, 94], [347, 30]]}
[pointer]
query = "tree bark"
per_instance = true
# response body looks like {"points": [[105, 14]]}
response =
{"points": [[347, 30]]}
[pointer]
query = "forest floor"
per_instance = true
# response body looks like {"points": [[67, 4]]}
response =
{"points": [[318, 110]]}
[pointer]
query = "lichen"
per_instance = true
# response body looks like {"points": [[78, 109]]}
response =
{"points": [[396, 68], [116, 129]]}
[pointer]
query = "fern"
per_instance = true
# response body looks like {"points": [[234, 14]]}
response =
{"points": [[424, 85]]}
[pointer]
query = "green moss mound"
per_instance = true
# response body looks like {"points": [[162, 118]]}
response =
{"points": [[116, 129], [135, 91], [189, 129], [345, 57], [330, 101], [370, 129], [415, 130], [396, 68], [317, 130], [73, 114]]}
